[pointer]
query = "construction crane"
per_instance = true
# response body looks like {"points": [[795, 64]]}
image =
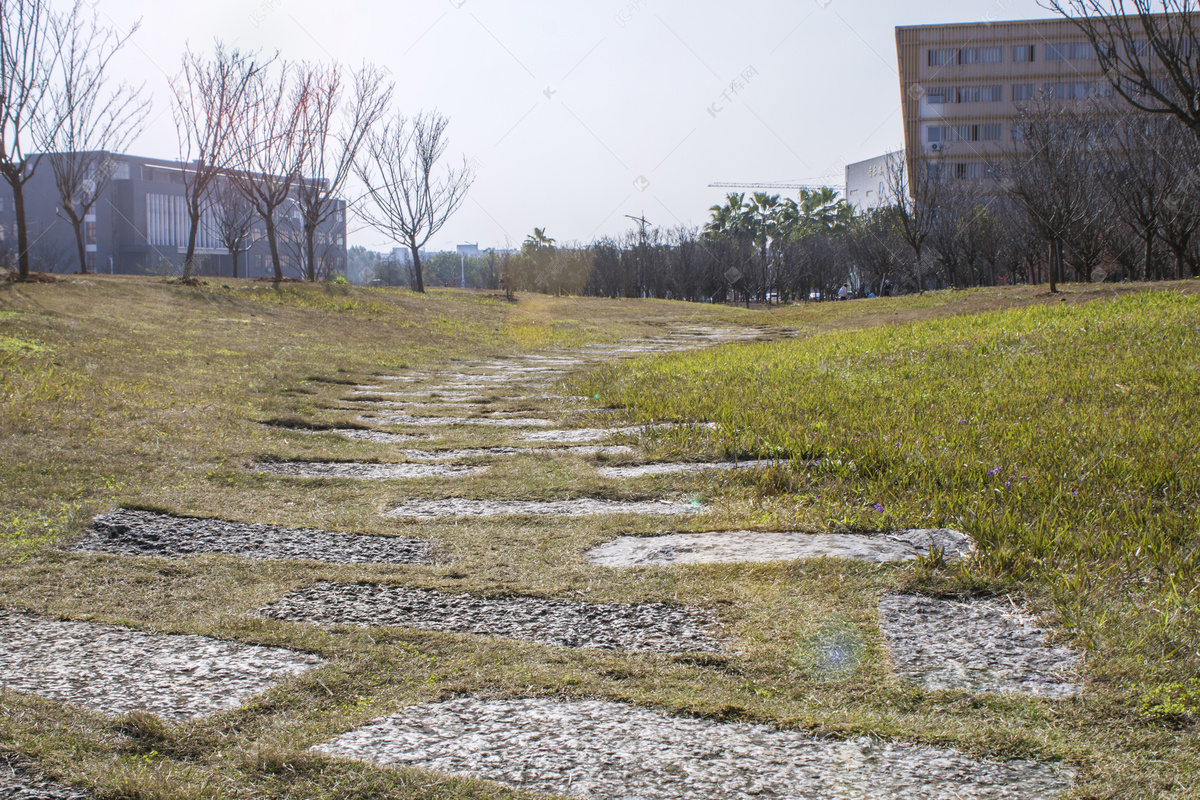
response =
{"points": [[749, 185]]}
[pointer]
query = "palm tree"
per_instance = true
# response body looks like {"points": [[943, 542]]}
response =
{"points": [[538, 239]]}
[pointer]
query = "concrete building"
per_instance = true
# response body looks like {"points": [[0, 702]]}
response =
{"points": [[867, 184], [962, 87], [140, 226]]}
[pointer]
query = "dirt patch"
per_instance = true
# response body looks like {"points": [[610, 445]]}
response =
{"points": [[144, 533], [979, 645], [117, 670], [596, 749], [432, 509], [655, 627], [749, 546], [363, 471]]}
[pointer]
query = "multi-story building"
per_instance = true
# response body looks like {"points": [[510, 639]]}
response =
{"points": [[867, 185], [139, 225], [963, 87]]}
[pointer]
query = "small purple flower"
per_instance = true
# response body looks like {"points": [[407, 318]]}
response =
{"points": [[1007, 485], [879, 508], [995, 471]]}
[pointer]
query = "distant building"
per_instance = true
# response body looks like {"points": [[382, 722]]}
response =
{"points": [[469, 250], [139, 225], [867, 185], [963, 87]]}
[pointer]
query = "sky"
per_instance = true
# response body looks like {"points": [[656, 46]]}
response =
{"points": [[574, 115]]}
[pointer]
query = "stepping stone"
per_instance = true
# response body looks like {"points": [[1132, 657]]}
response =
{"points": [[374, 436], [117, 670], [646, 470], [654, 627], [404, 419], [455, 507], [144, 533], [979, 646], [597, 749], [16, 784], [730, 547], [457, 455], [364, 472], [581, 434]]}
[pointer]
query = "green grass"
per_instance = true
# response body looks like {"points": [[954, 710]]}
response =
{"points": [[149, 394]]}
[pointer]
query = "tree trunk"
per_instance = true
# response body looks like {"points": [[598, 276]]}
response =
{"points": [[1053, 266], [22, 233], [310, 247], [416, 255], [273, 244], [234, 255], [1149, 257], [189, 261], [77, 224]]}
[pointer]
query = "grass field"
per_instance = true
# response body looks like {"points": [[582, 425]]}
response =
{"points": [[1058, 431]]}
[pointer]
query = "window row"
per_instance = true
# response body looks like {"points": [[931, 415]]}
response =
{"points": [[972, 171], [990, 132], [946, 57], [966, 94]]}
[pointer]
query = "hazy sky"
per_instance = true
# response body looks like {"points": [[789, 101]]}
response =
{"points": [[576, 114]]}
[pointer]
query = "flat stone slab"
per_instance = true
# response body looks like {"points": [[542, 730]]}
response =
{"points": [[645, 470], [404, 419], [573, 435], [364, 471], [17, 785], [979, 646], [655, 627], [595, 749], [144, 533], [456, 507], [374, 436], [729, 547], [117, 670]]}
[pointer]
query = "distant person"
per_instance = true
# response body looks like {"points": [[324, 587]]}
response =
{"points": [[887, 289], [844, 292]]}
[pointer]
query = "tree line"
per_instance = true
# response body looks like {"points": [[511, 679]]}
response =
{"points": [[263, 141]]}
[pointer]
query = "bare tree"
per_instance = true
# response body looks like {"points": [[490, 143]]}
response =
{"points": [[407, 201], [234, 221], [331, 146], [918, 200], [1149, 51], [210, 97], [89, 122], [267, 157], [41, 54], [1181, 206], [1050, 174]]}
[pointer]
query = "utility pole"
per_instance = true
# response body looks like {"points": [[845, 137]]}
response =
{"points": [[642, 223]]}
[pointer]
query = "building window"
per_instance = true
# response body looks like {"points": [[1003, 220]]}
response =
{"points": [[991, 132], [938, 96], [90, 259], [992, 94], [935, 133], [121, 173], [1082, 51], [1057, 52], [89, 231], [1022, 91], [942, 58], [1023, 53], [969, 172]]}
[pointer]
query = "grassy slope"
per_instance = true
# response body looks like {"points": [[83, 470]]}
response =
{"points": [[119, 391]]}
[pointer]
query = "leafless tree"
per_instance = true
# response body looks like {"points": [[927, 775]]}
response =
{"points": [[1148, 49], [1049, 173], [332, 133], [267, 156], [918, 200], [41, 51], [210, 96], [233, 218], [1181, 207], [405, 199], [89, 122]]}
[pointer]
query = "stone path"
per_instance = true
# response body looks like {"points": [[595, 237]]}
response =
{"points": [[117, 670], [365, 472], [593, 749], [144, 533], [748, 546], [16, 784], [981, 646], [452, 507], [654, 627]]}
